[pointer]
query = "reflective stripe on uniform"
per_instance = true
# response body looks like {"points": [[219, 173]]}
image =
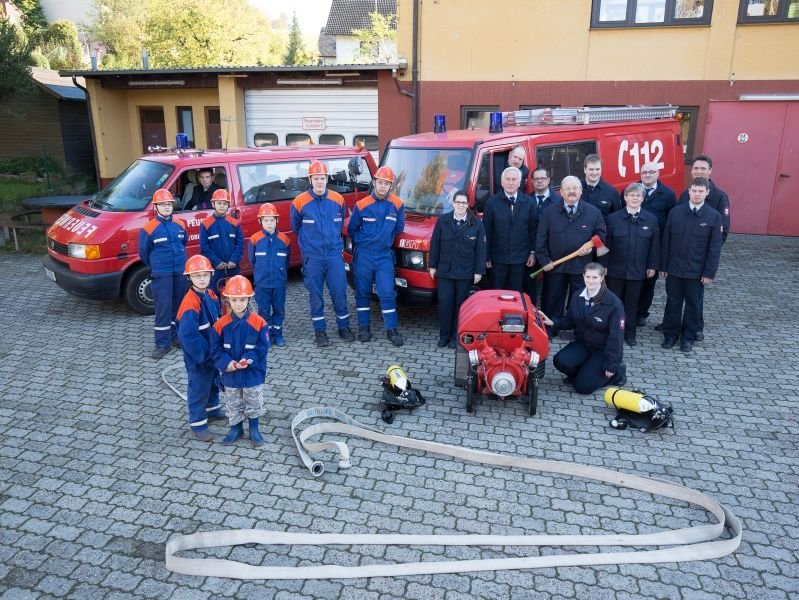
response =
{"points": [[199, 423], [167, 328], [157, 240], [213, 237], [249, 346], [206, 326], [391, 310], [347, 316]]}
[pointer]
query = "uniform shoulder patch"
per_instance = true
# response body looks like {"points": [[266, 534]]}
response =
{"points": [[190, 303], [151, 225], [257, 322], [335, 197], [231, 220], [223, 322], [180, 222], [395, 201], [208, 221], [364, 202], [257, 237], [212, 294], [284, 238], [300, 201]]}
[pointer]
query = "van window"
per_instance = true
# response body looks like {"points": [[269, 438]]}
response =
{"points": [[348, 175], [331, 138], [188, 188], [270, 182], [369, 142], [483, 190], [298, 139], [265, 139], [134, 188], [564, 159]]}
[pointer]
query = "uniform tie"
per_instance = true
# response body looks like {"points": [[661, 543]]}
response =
{"points": [[649, 191], [694, 210], [588, 304], [634, 217], [540, 201], [571, 212], [511, 199]]}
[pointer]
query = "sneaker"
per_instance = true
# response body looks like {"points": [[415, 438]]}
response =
{"points": [[160, 352], [364, 333], [321, 339], [394, 337], [345, 334]]}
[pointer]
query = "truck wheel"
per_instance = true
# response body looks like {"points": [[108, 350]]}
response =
{"points": [[138, 290]]}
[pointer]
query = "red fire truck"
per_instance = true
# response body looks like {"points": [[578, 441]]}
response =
{"points": [[93, 249], [429, 167]]}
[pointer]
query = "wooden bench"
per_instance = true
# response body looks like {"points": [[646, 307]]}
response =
{"points": [[10, 224]]}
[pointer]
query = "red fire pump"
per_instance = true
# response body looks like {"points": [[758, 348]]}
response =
{"points": [[502, 347]]}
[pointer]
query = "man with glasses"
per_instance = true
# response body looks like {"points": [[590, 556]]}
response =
{"points": [[659, 199], [543, 196]]}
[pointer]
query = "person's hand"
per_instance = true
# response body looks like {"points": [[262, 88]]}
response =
{"points": [[432, 272], [545, 319], [231, 265], [488, 264], [650, 273], [232, 366], [221, 265], [548, 267], [608, 374], [531, 260], [706, 280], [477, 278]]}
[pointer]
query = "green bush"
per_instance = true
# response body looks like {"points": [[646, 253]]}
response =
{"points": [[38, 165]]}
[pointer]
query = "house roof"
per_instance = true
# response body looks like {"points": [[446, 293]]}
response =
{"points": [[327, 44], [346, 15], [61, 87], [210, 70]]}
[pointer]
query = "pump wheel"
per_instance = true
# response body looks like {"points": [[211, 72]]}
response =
{"points": [[387, 416], [137, 290], [532, 394]]}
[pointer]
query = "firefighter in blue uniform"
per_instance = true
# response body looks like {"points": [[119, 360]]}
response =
{"points": [[197, 313], [270, 257], [634, 256], [595, 357], [689, 258], [597, 191], [221, 239], [317, 217], [162, 247], [376, 220]]}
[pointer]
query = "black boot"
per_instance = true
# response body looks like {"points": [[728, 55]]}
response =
{"points": [[346, 334], [364, 333], [394, 337], [321, 339]]}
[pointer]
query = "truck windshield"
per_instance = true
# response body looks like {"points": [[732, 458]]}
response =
{"points": [[134, 188], [426, 178]]}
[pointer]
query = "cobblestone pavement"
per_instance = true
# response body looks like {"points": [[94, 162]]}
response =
{"points": [[99, 469]]}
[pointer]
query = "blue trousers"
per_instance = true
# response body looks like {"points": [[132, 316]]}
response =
{"points": [[683, 314], [451, 294], [584, 364], [320, 271], [271, 305], [168, 291], [202, 395], [220, 274], [369, 268]]}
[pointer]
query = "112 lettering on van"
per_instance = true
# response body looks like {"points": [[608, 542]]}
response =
{"points": [[76, 226], [639, 153]]}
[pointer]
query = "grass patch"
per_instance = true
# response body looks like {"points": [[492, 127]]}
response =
{"points": [[30, 241], [14, 190]]}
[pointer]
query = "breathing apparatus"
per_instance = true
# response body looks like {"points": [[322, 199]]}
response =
{"points": [[646, 413], [398, 393]]}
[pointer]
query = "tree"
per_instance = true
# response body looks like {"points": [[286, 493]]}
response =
{"points": [[33, 19], [119, 26], [378, 44], [15, 73], [59, 44], [295, 49]]}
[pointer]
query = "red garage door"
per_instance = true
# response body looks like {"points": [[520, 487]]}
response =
{"points": [[755, 151]]}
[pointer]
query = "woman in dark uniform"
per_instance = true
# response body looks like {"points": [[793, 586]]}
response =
{"points": [[594, 358], [457, 262]]}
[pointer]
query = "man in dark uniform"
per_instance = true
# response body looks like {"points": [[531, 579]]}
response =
{"points": [[690, 252], [543, 196], [203, 192], [659, 199], [564, 228], [510, 219], [634, 254], [716, 198], [596, 190], [515, 159]]}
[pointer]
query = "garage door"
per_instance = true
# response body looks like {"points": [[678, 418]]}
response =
{"points": [[318, 115]]}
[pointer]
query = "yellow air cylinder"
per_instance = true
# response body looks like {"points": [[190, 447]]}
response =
{"points": [[397, 377], [632, 401]]}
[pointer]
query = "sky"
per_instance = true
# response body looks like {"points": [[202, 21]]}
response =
{"points": [[312, 14]]}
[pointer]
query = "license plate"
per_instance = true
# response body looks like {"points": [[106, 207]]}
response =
{"points": [[49, 273]]}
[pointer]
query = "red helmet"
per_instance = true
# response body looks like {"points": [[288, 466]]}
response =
{"points": [[385, 173], [220, 195], [317, 168], [198, 264], [163, 196], [238, 286], [267, 210]]}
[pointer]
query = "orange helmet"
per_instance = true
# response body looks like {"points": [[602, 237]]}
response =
{"points": [[267, 210], [163, 196], [198, 264], [220, 195], [385, 173], [317, 168], [238, 286]]}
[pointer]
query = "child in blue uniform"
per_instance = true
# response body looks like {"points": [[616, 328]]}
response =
{"points": [[240, 342], [196, 315], [221, 239], [270, 254], [162, 247]]}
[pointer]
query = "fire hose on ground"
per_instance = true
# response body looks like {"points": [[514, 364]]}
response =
{"points": [[699, 542]]}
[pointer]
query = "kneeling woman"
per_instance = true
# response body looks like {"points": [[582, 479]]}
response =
{"points": [[594, 358]]}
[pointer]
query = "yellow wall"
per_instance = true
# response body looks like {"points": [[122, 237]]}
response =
{"points": [[551, 40]]}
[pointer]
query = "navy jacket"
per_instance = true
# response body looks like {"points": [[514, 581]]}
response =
{"points": [[559, 236], [500, 164], [162, 245], [604, 196], [221, 239], [510, 233], [458, 253], [196, 316], [691, 243], [600, 327], [318, 222], [200, 198], [552, 198], [720, 201], [634, 244], [234, 338], [270, 257]]}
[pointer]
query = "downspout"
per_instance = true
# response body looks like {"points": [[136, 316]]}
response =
{"points": [[415, 69], [91, 131]]}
